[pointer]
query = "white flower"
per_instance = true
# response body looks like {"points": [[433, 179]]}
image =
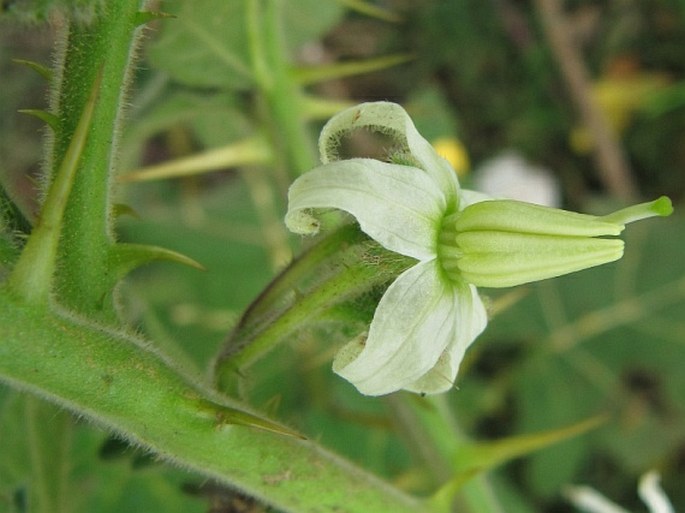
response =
{"points": [[424, 322], [414, 206], [509, 175], [588, 500]]}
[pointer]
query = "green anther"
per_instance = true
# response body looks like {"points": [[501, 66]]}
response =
{"points": [[502, 243]]}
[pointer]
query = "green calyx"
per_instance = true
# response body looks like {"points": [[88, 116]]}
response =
{"points": [[502, 243]]}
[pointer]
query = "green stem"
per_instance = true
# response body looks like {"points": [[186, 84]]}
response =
{"points": [[283, 97], [39, 470], [433, 432], [49, 433], [85, 282], [253, 150], [290, 303], [622, 313], [101, 375], [296, 273]]}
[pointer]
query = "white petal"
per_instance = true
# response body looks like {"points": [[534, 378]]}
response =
{"points": [[398, 206], [511, 176], [652, 494], [412, 326], [392, 120], [470, 321], [588, 500]]}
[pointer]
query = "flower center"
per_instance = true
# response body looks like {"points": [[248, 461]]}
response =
{"points": [[448, 250]]}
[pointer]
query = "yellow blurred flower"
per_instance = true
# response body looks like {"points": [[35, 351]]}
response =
{"points": [[619, 96], [454, 152]]}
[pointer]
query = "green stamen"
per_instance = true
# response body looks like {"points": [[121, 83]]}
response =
{"points": [[502, 243]]}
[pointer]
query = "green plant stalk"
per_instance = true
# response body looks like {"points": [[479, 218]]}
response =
{"points": [[254, 341], [49, 433], [283, 97], [118, 382], [85, 282], [629, 310], [319, 73], [292, 278], [250, 151], [430, 428]]}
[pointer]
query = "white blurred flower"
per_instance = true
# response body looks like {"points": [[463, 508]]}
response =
{"points": [[586, 499], [510, 176]]}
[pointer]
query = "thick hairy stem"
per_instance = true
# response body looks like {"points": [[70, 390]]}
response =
{"points": [[282, 95], [85, 279], [118, 382]]}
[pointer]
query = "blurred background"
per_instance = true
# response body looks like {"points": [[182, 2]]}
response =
{"points": [[578, 104]]}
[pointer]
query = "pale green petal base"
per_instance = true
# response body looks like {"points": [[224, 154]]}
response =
{"points": [[421, 329], [412, 326]]}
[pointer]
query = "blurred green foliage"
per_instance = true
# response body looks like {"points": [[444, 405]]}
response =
{"points": [[607, 340]]}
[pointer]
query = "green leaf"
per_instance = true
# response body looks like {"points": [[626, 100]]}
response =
{"points": [[50, 119], [55, 463], [609, 340], [44, 72], [213, 120], [251, 151], [482, 456], [32, 277], [126, 257], [144, 17], [544, 393], [35, 440], [322, 73], [190, 309], [308, 20], [80, 11], [372, 10], [212, 37]]}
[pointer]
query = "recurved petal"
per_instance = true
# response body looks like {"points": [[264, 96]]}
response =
{"points": [[398, 206], [412, 326], [392, 120], [470, 321]]}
